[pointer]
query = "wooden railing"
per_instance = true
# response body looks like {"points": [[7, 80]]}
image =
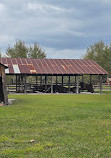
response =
{"points": [[12, 87], [104, 87]]}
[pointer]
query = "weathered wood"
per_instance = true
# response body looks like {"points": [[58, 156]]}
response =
{"points": [[77, 84], [16, 83], [75, 81], [36, 78], [69, 84], [90, 78], [56, 80], [22, 89], [41, 80], [25, 81], [5, 89], [82, 81], [45, 83], [19, 82], [51, 84], [62, 81], [3, 82], [101, 84]]}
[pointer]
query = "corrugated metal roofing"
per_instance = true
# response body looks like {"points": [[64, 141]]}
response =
{"points": [[51, 66]]}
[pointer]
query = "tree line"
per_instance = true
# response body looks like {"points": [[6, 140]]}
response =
{"points": [[101, 54], [21, 50]]}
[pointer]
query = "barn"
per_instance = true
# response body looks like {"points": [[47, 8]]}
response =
{"points": [[50, 70], [3, 89]]}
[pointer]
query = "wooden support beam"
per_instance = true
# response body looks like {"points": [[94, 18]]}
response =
{"points": [[51, 84], [90, 78], [69, 84], [75, 81], [41, 80], [56, 80], [22, 89], [83, 78], [16, 83], [101, 80], [36, 78], [77, 84], [25, 81], [45, 83], [82, 81], [62, 81], [4, 87], [19, 82]]}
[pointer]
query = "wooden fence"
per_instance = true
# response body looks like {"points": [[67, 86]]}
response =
{"points": [[30, 87]]}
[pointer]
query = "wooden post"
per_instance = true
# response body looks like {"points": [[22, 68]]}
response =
{"points": [[100, 84], [69, 84], [45, 83], [77, 83], [90, 78], [83, 78], [56, 80], [19, 82], [51, 84], [16, 83], [62, 81], [4, 88], [82, 81], [22, 83], [41, 80], [36, 79], [25, 83]]}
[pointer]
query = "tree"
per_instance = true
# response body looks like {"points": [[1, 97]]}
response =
{"points": [[20, 50], [36, 52], [101, 54]]}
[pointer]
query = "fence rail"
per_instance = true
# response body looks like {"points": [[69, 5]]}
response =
{"points": [[30, 87], [104, 87]]}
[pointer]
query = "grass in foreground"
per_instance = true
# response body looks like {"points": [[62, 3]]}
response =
{"points": [[66, 126]]}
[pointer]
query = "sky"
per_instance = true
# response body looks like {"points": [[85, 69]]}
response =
{"points": [[63, 28]]}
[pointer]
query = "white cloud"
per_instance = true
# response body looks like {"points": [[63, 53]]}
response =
{"points": [[45, 8], [64, 54], [5, 40], [2, 7], [59, 26]]}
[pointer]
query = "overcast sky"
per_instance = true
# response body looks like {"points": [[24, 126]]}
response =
{"points": [[63, 28]]}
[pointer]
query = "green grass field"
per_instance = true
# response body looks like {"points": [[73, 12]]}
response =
{"points": [[63, 126]]}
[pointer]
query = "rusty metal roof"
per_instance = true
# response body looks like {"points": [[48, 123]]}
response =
{"points": [[51, 66]]}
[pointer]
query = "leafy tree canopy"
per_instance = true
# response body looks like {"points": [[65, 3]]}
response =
{"points": [[21, 50], [101, 54], [36, 52]]}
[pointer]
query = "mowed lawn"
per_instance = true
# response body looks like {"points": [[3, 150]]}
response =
{"points": [[62, 126]]}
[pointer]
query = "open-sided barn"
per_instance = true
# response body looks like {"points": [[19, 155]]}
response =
{"points": [[23, 67]]}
